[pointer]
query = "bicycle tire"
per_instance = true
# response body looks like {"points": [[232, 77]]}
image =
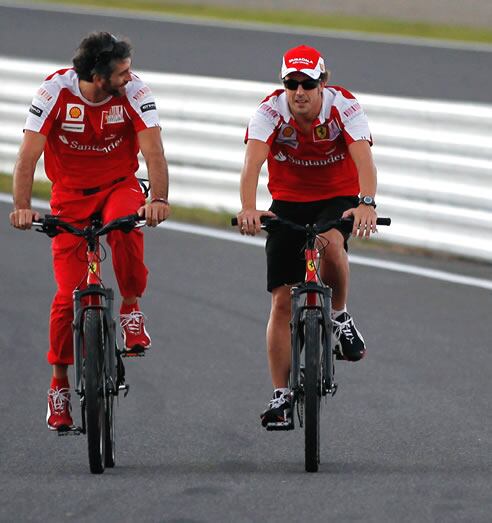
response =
{"points": [[95, 389], [312, 393], [110, 446]]}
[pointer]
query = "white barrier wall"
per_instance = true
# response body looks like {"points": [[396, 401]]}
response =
{"points": [[434, 159]]}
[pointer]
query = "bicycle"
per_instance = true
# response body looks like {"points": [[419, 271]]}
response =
{"points": [[313, 353], [98, 365]]}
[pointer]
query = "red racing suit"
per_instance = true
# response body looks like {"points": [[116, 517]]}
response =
{"points": [[90, 157]]}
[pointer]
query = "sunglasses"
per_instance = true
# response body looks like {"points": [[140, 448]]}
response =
{"points": [[307, 85], [106, 51]]}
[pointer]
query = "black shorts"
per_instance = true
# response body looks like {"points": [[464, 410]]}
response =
{"points": [[285, 248]]}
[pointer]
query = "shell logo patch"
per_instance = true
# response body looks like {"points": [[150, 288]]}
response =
{"points": [[288, 132], [75, 113], [287, 135]]}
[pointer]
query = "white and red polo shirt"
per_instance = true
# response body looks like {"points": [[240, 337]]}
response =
{"points": [[305, 168], [89, 144]]}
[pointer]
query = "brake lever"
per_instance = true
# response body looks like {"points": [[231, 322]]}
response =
{"points": [[48, 226]]}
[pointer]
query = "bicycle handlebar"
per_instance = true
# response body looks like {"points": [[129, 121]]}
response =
{"points": [[346, 223], [53, 225]]}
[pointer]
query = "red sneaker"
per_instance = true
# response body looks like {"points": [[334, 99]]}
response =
{"points": [[59, 410], [136, 339]]}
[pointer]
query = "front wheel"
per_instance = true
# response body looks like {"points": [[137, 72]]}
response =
{"points": [[109, 454], [95, 400], [312, 389]]}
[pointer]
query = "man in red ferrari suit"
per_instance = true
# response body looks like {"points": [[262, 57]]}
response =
{"points": [[90, 121]]}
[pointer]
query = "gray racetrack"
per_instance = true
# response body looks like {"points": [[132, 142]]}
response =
{"points": [[407, 438], [364, 66]]}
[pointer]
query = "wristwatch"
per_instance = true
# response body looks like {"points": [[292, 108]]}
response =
{"points": [[367, 200]]}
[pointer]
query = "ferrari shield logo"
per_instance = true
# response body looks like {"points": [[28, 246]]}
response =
{"points": [[321, 132]]}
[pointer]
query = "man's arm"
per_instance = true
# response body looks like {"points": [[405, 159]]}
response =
{"points": [[249, 217], [29, 153], [153, 151], [364, 215]]}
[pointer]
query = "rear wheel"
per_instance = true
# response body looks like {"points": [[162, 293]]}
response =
{"points": [[95, 401], [312, 389]]}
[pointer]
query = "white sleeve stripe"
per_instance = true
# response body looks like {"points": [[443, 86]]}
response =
{"points": [[39, 110], [143, 102], [265, 120]]}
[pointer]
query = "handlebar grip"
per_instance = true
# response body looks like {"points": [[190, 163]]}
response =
{"points": [[383, 221], [263, 219]]}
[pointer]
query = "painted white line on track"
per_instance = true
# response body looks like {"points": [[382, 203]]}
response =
{"points": [[251, 26], [260, 242]]}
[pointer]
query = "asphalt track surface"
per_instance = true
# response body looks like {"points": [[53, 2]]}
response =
{"points": [[407, 438], [361, 66]]}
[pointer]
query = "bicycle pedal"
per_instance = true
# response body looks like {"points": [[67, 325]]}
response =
{"points": [[126, 388], [71, 431], [331, 390], [280, 425], [338, 355], [134, 353]]}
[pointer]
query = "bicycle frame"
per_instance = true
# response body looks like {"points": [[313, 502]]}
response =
{"points": [[99, 370], [318, 297], [96, 297], [311, 336], [311, 294]]}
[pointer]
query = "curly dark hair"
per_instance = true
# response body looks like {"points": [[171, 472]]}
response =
{"points": [[98, 53]]}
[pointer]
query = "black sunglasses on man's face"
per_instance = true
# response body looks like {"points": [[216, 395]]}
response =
{"points": [[307, 85], [106, 51]]}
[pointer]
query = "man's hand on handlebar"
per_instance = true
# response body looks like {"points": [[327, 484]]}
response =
{"points": [[155, 212], [248, 221], [23, 218], [365, 218]]}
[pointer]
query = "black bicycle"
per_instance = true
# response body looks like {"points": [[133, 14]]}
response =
{"points": [[313, 354], [98, 365]]}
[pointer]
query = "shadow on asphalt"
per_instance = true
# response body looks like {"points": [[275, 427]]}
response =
{"points": [[333, 468]]}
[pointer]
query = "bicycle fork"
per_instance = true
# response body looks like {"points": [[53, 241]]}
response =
{"points": [[328, 385], [102, 300]]}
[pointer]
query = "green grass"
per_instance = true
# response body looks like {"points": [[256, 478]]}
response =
{"points": [[299, 19], [196, 215], [222, 220], [41, 190]]}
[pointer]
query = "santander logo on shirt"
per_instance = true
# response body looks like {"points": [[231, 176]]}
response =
{"points": [[332, 158], [96, 148]]}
